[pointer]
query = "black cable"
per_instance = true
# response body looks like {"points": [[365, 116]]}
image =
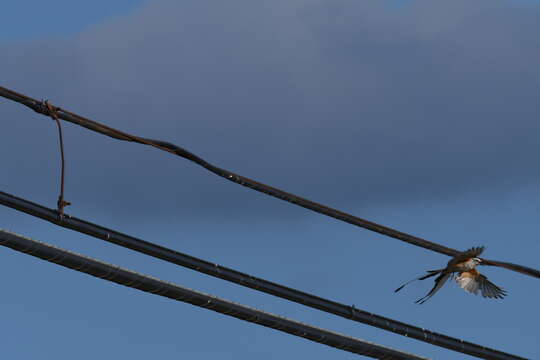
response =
{"points": [[41, 108], [158, 287], [246, 280]]}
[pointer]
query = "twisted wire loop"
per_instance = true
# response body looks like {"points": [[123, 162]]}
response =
{"points": [[252, 184], [247, 280], [149, 284], [53, 113]]}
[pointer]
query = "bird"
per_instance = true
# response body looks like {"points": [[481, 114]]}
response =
{"points": [[462, 268]]}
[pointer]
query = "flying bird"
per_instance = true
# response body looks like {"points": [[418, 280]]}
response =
{"points": [[462, 268]]}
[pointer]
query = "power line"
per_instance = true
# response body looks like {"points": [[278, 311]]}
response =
{"points": [[158, 287], [40, 107], [247, 280]]}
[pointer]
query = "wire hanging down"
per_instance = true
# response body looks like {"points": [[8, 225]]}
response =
{"points": [[61, 202], [158, 287], [215, 270], [41, 108]]}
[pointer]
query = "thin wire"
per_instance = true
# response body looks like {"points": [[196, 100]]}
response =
{"points": [[266, 189], [166, 289], [246, 280], [61, 202]]}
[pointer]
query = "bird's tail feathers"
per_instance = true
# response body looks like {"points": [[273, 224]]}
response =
{"points": [[439, 282], [429, 274]]}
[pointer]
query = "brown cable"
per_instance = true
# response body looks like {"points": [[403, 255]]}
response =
{"points": [[61, 203], [39, 107]]}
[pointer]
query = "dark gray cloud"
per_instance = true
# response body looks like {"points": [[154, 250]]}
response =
{"points": [[345, 102]]}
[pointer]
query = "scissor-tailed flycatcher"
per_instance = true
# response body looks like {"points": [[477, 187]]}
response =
{"points": [[464, 265]]}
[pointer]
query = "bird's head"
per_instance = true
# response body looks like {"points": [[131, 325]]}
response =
{"points": [[477, 260]]}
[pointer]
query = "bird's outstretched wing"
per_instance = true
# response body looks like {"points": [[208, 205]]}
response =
{"points": [[515, 267], [474, 282]]}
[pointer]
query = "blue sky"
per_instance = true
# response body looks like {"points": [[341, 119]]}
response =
{"points": [[36, 19], [422, 117]]}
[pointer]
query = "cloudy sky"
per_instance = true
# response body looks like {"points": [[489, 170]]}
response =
{"points": [[420, 115]]}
